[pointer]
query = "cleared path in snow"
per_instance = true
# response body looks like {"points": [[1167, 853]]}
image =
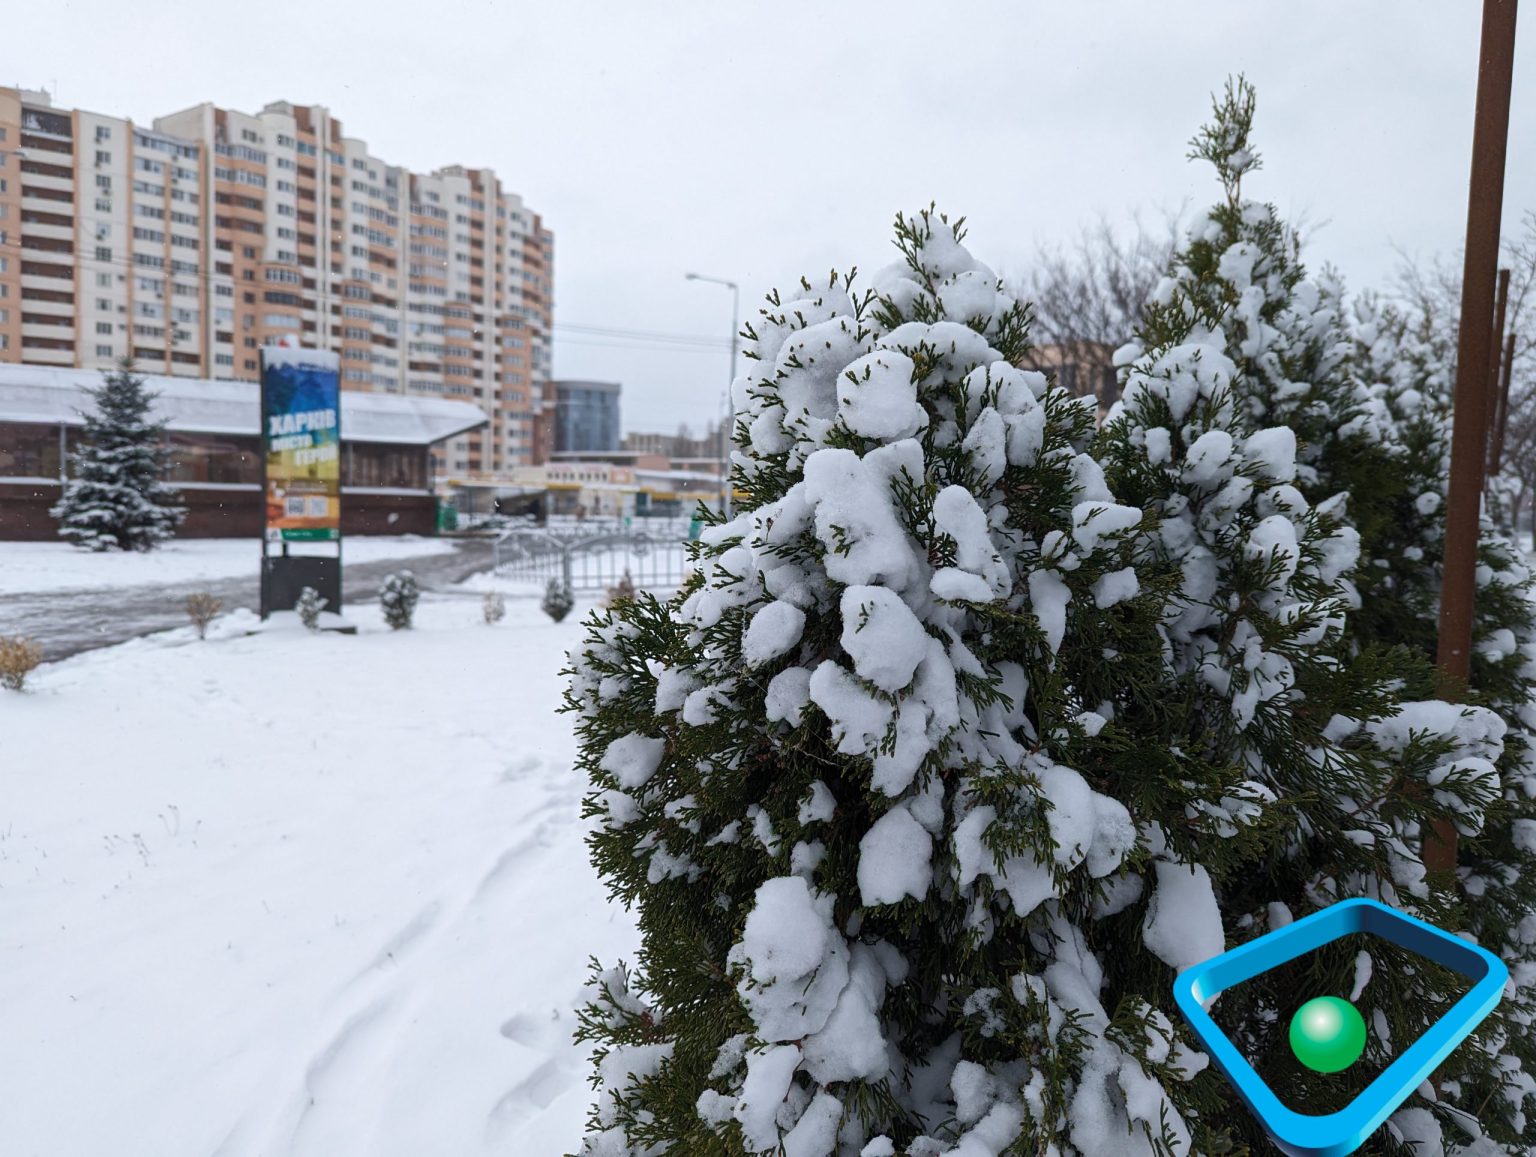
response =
{"points": [[67, 622]]}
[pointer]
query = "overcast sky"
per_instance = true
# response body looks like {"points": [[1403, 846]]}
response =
{"points": [[757, 141]]}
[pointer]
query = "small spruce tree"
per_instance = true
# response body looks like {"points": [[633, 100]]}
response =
{"points": [[558, 599], [116, 497], [493, 607], [398, 598], [309, 606]]}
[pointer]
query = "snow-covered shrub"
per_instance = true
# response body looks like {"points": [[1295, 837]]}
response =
{"points": [[1308, 553], [558, 600], [115, 497], [865, 777], [19, 657], [621, 592], [398, 598], [974, 727], [201, 609], [493, 607], [309, 606]]}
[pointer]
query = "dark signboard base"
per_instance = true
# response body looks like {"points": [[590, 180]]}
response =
{"points": [[284, 576]]}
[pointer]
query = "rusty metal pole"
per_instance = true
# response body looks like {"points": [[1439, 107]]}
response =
{"points": [[1469, 433], [1507, 369], [1501, 305]]}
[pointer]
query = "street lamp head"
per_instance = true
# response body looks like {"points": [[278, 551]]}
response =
{"points": [[707, 277]]}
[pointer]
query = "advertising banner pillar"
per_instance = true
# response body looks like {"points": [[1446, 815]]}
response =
{"points": [[301, 474]]}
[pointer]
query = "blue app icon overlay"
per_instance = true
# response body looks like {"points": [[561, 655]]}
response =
{"points": [[1341, 1133]]}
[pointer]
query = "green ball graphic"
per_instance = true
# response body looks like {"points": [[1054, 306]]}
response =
{"points": [[1327, 1034]]}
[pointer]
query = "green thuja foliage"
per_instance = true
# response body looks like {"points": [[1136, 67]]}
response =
{"points": [[1408, 371], [1325, 678], [877, 780]]}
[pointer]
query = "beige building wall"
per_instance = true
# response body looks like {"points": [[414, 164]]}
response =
{"points": [[189, 245]]}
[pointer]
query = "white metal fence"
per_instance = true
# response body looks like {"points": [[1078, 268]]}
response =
{"points": [[590, 555]]}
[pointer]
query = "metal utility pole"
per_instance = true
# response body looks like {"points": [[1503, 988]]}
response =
{"points": [[1469, 435], [1498, 434], [727, 436]]}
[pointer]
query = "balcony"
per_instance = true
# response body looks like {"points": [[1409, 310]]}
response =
{"points": [[32, 230], [48, 357], [33, 305], [41, 200], [58, 184], [62, 328]]}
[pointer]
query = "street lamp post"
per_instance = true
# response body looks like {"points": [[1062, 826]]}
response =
{"points": [[727, 435]]}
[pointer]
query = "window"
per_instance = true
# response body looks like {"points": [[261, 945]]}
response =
{"points": [[103, 253], [371, 464], [103, 157], [29, 451], [103, 304], [104, 328], [104, 182], [103, 133], [102, 205], [103, 280], [103, 351]]}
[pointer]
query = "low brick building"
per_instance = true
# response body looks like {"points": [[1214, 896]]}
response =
{"points": [[212, 428]]}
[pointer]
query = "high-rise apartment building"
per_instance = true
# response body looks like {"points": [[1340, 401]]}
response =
{"points": [[191, 245]]}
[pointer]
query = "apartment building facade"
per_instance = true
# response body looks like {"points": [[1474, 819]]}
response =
{"points": [[191, 244]]}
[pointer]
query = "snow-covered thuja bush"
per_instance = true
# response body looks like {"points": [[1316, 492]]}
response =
{"points": [[115, 497], [397, 599], [1410, 373], [1263, 667], [889, 781]]}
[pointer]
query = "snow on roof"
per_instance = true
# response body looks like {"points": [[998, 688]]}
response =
{"points": [[678, 475], [55, 396]]}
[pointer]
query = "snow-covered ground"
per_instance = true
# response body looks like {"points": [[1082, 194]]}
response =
{"points": [[55, 566], [290, 895]]}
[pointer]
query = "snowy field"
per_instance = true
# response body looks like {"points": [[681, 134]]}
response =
{"points": [[291, 895], [35, 567]]}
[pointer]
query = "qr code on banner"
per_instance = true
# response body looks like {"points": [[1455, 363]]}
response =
{"points": [[294, 507], [319, 506]]}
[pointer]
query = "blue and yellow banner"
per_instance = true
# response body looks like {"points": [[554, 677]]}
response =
{"points": [[301, 443]]}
